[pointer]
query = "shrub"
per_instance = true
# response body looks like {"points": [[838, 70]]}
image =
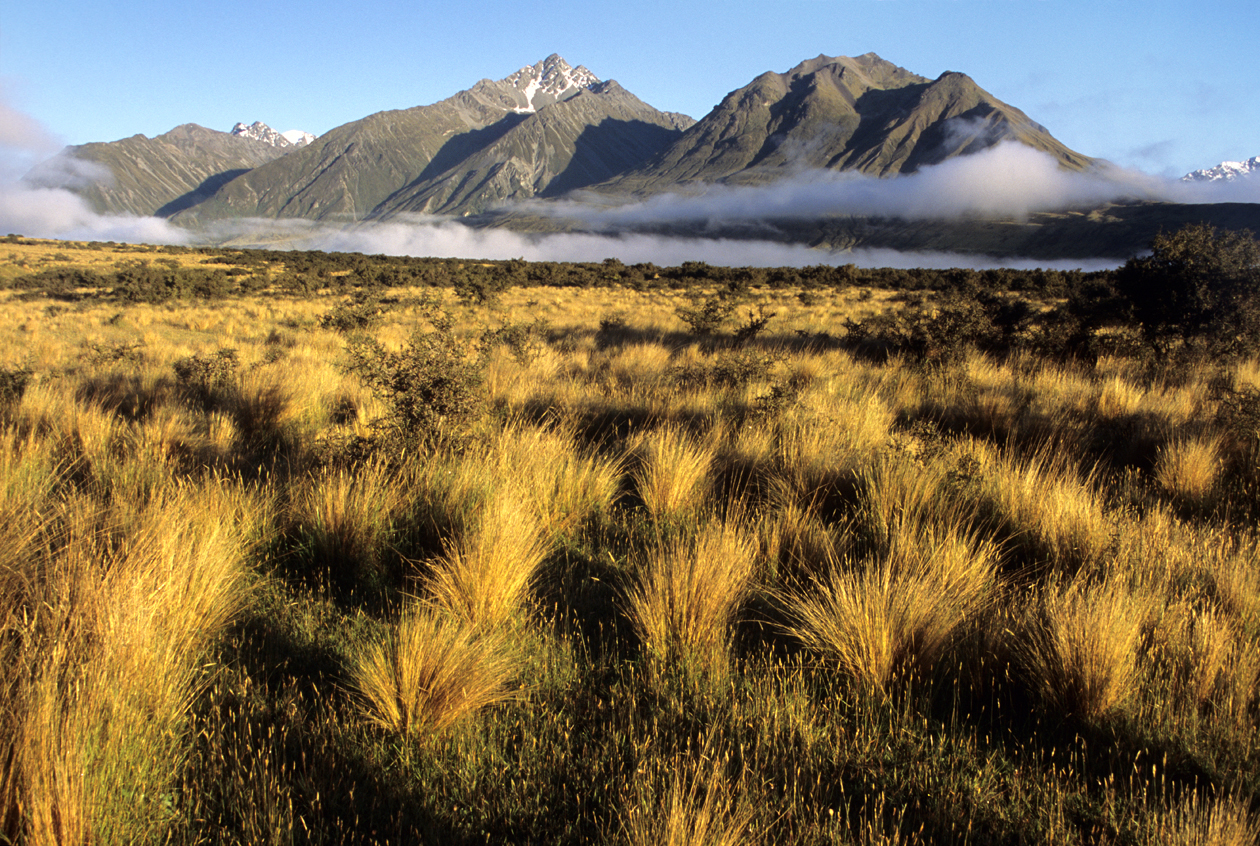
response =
{"points": [[207, 379], [13, 384], [363, 311], [433, 385], [525, 341], [1198, 285], [753, 326], [705, 315]]}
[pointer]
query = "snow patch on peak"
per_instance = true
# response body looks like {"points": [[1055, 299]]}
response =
{"points": [[297, 137], [1225, 171], [259, 131], [549, 81]]}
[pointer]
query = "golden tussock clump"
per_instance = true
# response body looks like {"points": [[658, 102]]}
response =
{"points": [[429, 672], [891, 619], [688, 592]]}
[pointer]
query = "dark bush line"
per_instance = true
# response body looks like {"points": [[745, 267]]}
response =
{"points": [[1195, 294], [154, 279]]}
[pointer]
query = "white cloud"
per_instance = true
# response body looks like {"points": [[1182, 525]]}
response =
{"points": [[1009, 180], [441, 237], [57, 213]]}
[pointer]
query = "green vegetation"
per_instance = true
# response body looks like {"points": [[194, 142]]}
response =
{"points": [[931, 557]]}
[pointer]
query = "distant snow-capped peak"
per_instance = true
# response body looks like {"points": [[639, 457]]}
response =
{"points": [[259, 131], [1225, 171], [549, 81], [297, 137]]}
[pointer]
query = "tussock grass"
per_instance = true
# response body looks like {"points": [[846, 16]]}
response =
{"points": [[564, 483], [342, 519], [1045, 507], [994, 530], [1080, 647], [1189, 469], [672, 477], [687, 594], [822, 447], [429, 672], [900, 495], [1218, 667], [1195, 821], [116, 609], [484, 575], [696, 806], [891, 619]]}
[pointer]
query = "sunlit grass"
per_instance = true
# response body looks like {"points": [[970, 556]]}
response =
{"points": [[247, 620], [429, 672], [484, 574], [891, 619], [695, 806], [1080, 647], [672, 477], [1189, 469], [688, 592]]}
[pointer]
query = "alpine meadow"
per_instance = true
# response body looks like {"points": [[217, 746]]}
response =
{"points": [[315, 547]]}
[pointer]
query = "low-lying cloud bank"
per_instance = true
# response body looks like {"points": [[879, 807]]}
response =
{"points": [[450, 239], [58, 213], [1009, 180], [44, 211]]}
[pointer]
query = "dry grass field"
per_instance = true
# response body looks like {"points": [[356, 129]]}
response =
{"points": [[555, 568]]}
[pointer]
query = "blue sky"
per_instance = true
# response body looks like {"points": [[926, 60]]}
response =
{"points": [[1164, 87]]}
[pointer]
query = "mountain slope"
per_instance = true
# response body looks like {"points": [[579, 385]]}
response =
{"points": [[504, 139], [154, 176], [591, 137], [863, 114]]}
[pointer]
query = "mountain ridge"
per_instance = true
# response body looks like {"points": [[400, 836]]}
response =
{"points": [[550, 128], [1225, 171], [862, 114]]}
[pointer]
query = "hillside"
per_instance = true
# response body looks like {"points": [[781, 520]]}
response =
{"points": [[859, 114], [499, 140], [154, 176]]}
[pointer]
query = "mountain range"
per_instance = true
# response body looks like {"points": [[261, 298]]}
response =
{"points": [[259, 131], [551, 129], [1226, 171]]}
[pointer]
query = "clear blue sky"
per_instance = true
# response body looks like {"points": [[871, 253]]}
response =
{"points": [[1164, 87]]}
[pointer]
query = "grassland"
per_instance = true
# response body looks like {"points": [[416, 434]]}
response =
{"points": [[632, 585]]}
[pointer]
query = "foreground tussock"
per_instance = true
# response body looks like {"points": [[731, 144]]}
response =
{"points": [[696, 806], [485, 573], [891, 619], [688, 594], [430, 672], [326, 561], [1082, 645]]}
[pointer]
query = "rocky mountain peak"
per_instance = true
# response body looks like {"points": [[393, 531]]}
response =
{"points": [[549, 81], [259, 131], [1225, 171]]}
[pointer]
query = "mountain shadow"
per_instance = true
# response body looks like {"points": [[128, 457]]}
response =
{"points": [[877, 109], [202, 192], [608, 149], [465, 145]]}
